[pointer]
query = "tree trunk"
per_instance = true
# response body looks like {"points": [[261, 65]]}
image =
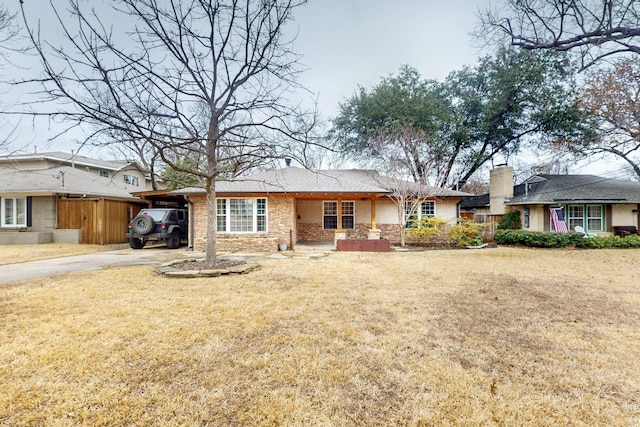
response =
{"points": [[212, 221], [213, 134]]}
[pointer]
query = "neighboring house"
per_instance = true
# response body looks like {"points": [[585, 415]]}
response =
{"points": [[292, 205], [64, 204], [128, 173], [594, 203]]}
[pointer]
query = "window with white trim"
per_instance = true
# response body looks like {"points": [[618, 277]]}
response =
{"points": [[104, 173], [426, 209], [590, 217], [595, 218], [575, 216], [131, 180], [241, 215], [13, 212], [330, 215]]}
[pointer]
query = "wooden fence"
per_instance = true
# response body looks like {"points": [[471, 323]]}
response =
{"points": [[102, 221], [490, 225]]}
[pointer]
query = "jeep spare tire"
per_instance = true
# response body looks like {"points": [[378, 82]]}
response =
{"points": [[142, 224]]}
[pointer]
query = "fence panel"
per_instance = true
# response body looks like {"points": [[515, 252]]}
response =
{"points": [[101, 221]]}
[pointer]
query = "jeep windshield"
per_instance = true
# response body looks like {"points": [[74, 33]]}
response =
{"points": [[157, 215]]}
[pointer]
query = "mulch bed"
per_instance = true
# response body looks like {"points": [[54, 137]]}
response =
{"points": [[200, 265]]}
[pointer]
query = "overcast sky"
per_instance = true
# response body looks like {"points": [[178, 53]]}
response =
{"points": [[347, 43]]}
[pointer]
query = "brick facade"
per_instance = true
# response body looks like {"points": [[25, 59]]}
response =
{"points": [[314, 232], [280, 228]]}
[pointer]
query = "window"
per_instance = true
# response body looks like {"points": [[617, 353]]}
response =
{"points": [[241, 215], [104, 173], [132, 180], [221, 214], [426, 209], [594, 217], [575, 216], [330, 215], [590, 217], [14, 212], [348, 215]]}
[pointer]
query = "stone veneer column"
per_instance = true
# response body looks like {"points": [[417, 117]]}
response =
{"points": [[339, 235], [374, 234]]}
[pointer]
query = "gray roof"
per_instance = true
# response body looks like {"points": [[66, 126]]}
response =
{"points": [[303, 181], [548, 189], [77, 182], [67, 158]]}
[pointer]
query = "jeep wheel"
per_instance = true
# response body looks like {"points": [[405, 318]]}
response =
{"points": [[142, 224], [136, 243], [173, 242]]}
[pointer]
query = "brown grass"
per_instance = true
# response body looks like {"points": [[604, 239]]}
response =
{"points": [[11, 254], [490, 337]]}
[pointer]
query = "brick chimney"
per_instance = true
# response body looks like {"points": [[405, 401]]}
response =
{"points": [[500, 187]]}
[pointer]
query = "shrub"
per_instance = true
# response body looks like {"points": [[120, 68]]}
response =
{"points": [[540, 239], [436, 231], [466, 233], [510, 221], [606, 242], [428, 229]]}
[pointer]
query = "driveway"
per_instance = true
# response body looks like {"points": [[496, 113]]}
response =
{"points": [[95, 261]]}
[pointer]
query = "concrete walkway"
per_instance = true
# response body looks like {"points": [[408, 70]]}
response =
{"points": [[95, 261], [124, 257]]}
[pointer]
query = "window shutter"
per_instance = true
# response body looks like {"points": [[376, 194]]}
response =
{"points": [[29, 203]]}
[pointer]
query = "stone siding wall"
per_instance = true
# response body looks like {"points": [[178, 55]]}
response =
{"points": [[280, 223], [314, 232], [391, 232]]}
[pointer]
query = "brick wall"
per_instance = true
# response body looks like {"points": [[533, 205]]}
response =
{"points": [[314, 232], [280, 222]]}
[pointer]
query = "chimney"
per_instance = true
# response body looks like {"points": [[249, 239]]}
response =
{"points": [[287, 161], [500, 187]]}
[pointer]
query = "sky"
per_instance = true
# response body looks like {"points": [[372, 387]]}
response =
{"points": [[347, 43]]}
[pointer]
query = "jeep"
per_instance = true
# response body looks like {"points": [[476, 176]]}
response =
{"points": [[162, 225]]}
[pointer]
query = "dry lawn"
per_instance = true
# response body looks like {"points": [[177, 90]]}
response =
{"points": [[505, 337], [11, 254]]}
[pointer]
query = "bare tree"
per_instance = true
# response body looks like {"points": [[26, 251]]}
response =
{"points": [[595, 29], [613, 97], [408, 198], [10, 43], [208, 78]]}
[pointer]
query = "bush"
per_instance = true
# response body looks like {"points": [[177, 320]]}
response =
{"points": [[436, 231], [428, 229], [510, 221], [466, 233], [606, 242], [540, 239]]}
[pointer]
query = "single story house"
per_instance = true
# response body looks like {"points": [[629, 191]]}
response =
{"points": [[296, 205], [64, 204], [595, 203]]}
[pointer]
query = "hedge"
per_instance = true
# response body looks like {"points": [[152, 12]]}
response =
{"points": [[538, 239]]}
